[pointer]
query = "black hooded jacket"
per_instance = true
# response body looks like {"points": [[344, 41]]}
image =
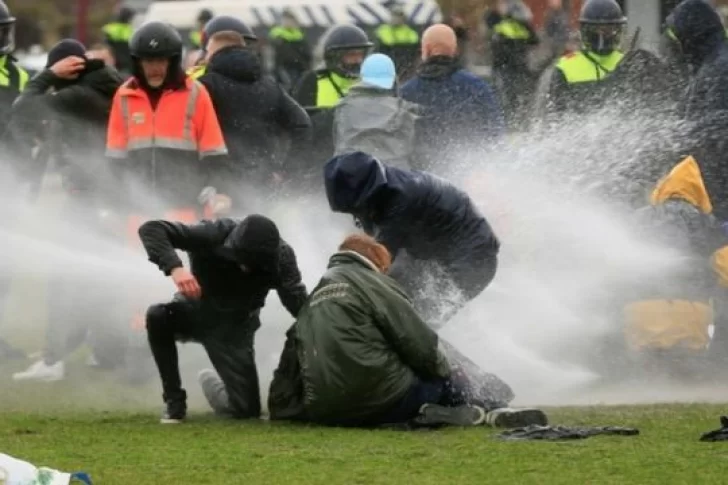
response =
{"points": [[74, 113], [423, 214], [258, 118], [702, 38], [217, 249]]}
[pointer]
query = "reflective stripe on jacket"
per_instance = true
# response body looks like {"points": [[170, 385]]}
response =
{"points": [[184, 120]]}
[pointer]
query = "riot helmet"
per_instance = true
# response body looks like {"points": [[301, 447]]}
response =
{"points": [[156, 40], [601, 26], [7, 30], [222, 23], [345, 47]]}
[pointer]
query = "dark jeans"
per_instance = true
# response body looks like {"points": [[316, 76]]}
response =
{"points": [[228, 338], [453, 391], [469, 278]]}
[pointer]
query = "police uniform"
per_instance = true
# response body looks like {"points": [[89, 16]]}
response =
{"points": [[400, 42], [292, 54], [118, 35], [577, 81]]}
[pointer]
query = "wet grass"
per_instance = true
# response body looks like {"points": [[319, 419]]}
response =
{"points": [[132, 448]]}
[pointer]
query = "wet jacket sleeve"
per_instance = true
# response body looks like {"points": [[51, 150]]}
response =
{"points": [[161, 238], [306, 92], [291, 290], [210, 140], [294, 120], [117, 140], [409, 335]]}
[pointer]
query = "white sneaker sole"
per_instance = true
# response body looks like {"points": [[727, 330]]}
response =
{"points": [[171, 421], [24, 378]]}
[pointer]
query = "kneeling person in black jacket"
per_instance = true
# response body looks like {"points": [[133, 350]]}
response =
{"points": [[259, 120], [425, 222], [233, 267]]}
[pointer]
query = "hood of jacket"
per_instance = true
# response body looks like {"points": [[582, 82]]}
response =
{"points": [[255, 243], [236, 63], [684, 182], [437, 67], [697, 27], [101, 78], [363, 89], [355, 182]]}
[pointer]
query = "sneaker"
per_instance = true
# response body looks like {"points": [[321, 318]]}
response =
{"points": [[40, 371], [175, 413], [516, 418], [466, 415]]}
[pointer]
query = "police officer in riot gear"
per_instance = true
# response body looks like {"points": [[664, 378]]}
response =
{"points": [[576, 75], [319, 91], [222, 23], [345, 47], [117, 35], [203, 18]]}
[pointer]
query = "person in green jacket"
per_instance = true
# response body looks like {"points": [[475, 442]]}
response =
{"points": [[360, 355]]}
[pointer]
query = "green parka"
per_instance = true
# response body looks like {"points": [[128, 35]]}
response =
{"points": [[359, 346]]}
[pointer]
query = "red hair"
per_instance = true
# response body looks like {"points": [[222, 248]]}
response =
{"points": [[368, 247]]}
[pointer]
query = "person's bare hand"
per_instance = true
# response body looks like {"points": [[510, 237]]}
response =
{"points": [[69, 67], [186, 283]]}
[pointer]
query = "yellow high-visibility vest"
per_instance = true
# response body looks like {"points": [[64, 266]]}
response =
{"points": [[583, 67]]}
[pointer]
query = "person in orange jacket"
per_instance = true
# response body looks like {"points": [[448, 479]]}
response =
{"points": [[162, 127]]}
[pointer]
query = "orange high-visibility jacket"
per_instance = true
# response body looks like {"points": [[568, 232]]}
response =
{"points": [[184, 120]]}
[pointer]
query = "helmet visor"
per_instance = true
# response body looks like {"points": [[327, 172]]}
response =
{"points": [[347, 62], [602, 38], [7, 38]]}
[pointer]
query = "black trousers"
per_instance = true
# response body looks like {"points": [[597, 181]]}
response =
{"points": [[468, 277], [228, 338]]}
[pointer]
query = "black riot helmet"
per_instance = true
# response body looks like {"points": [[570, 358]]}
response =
{"points": [[7, 30], [156, 40], [601, 25], [222, 23], [341, 41]]}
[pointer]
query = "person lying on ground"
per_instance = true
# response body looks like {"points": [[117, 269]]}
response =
{"points": [[425, 222], [234, 264], [360, 355]]}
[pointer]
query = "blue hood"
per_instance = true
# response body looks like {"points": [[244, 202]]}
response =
{"points": [[698, 29], [354, 181]]}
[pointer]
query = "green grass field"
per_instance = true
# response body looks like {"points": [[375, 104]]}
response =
{"points": [[131, 448]]}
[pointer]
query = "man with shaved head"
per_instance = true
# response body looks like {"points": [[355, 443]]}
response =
{"points": [[461, 111]]}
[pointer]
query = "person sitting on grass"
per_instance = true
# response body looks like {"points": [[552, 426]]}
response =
{"points": [[360, 355]]}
